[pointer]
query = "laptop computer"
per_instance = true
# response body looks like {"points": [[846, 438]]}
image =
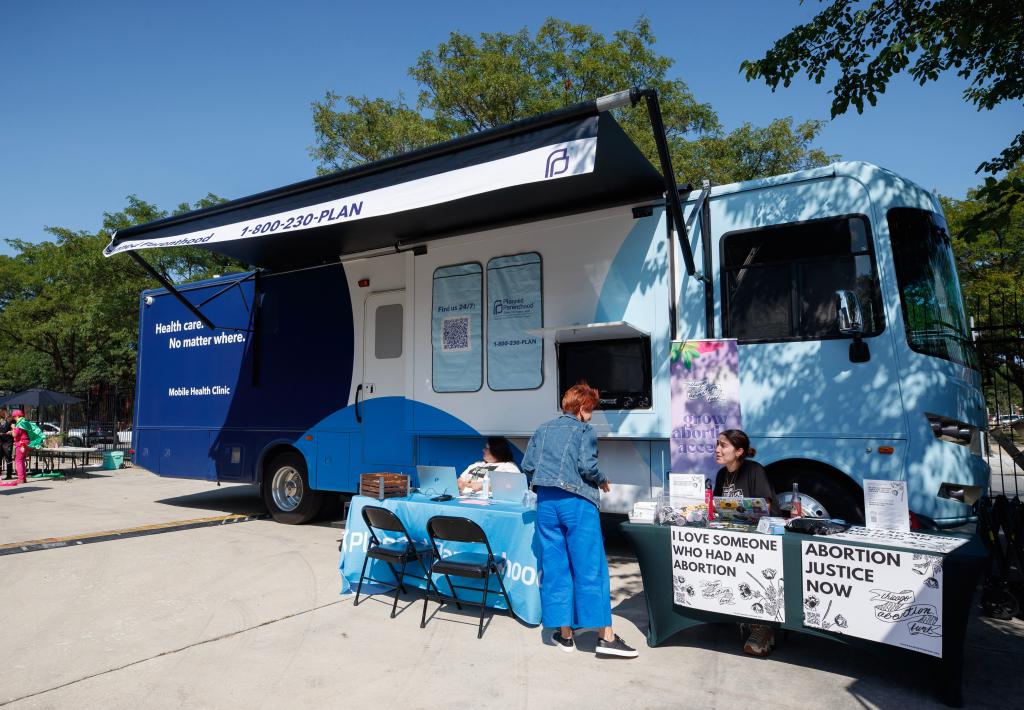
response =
{"points": [[508, 486], [741, 510], [438, 480]]}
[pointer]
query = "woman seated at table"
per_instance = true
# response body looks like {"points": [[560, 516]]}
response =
{"points": [[740, 477], [497, 457]]}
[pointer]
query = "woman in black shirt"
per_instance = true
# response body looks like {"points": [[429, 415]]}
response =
{"points": [[740, 477]]}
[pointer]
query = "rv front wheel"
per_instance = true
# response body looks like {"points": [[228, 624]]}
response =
{"points": [[822, 494], [286, 490]]}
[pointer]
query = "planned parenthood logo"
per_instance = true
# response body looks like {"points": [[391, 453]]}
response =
{"points": [[557, 163]]}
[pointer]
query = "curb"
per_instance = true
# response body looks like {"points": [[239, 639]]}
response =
{"points": [[51, 543]]}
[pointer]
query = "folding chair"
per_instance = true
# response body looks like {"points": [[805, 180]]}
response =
{"points": [[392, 553], [475, 565]]}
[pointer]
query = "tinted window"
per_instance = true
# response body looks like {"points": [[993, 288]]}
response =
{"points": [[780, 281], [388, 329], [929, 287]]}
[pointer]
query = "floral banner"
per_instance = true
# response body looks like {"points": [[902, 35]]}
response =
{"points": [[705, 401]]}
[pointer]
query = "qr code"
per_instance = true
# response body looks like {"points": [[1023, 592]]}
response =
{"points": [[455, 334]]}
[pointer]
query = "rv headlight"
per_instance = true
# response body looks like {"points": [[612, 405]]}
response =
{"points": [[951, 430]]}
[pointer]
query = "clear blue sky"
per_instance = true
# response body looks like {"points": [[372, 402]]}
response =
{"points": [[172, 100]]}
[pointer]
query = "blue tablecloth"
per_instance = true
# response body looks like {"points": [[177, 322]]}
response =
{"points": [[509, 527]]}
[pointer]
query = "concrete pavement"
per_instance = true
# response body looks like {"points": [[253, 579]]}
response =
{"points": [[249, 614]]}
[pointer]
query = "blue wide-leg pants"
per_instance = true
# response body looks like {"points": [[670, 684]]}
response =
{"points": [[574, 587]]}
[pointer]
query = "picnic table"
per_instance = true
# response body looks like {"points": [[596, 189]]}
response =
{"points": [[76, 456]]}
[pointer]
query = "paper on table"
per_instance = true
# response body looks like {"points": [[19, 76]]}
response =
{"points": [[686, 488], [885, 505], [473, 501]]}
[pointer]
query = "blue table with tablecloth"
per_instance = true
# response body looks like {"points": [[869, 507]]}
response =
{"points": [[509, 527]]}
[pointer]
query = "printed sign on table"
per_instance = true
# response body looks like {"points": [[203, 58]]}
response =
{"points": [[734, 573], [705, 401], [885, 505], [881, 595]]}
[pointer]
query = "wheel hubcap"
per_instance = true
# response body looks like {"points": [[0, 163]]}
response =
{"points": [[286, 488], [811, 507]]}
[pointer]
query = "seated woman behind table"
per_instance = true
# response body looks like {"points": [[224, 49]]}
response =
{"points": [[497, 457], [741, 477]]}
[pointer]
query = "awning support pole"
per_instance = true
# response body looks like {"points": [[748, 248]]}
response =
{"points": [[170, 288], [675, 208]]}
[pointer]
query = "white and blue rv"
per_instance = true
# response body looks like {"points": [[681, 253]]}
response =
{"points": [[398, 312]]}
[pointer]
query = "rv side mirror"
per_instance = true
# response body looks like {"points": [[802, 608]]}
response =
{"points": [[850, 321], [849, 318]]}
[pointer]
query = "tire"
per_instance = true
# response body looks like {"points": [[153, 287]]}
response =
{"points": [[821, 492], [75, 441], [286, 490]]}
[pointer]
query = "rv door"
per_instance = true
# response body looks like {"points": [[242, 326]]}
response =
{"points": [[381, 395]]}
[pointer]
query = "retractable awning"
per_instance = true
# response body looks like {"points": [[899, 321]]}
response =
{"points": [[560, 163]]}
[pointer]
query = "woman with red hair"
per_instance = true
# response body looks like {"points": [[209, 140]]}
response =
{"points": [[562, 456]]}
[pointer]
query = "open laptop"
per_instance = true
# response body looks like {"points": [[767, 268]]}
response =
{"points": [[508, 486], [438, 480], [741, 510]]}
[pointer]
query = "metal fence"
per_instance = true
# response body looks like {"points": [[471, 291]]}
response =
{"points": [[102, 419], [998, 334]]}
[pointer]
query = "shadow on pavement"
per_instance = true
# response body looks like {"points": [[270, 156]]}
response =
{"points": [[240, 500], [23, 488], [991, 676]]}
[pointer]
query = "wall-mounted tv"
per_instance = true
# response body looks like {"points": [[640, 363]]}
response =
{"points": [[620, 369]]}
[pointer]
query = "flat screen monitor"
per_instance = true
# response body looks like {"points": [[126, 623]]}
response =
{"points": [[620, 369]]}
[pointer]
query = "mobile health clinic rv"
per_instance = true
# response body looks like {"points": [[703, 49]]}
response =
{"points": [[400, 311]]}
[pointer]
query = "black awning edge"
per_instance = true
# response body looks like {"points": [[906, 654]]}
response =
{"points": [[504, 175], [580, 110]]}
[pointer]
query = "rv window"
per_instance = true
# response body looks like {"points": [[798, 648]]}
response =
{"points": [[779, 282], [456, 325], [514, 306], [929, 287], [388, 329]]}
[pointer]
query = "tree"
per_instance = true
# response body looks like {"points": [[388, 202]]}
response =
{"points": [[69, 315], [470, 84], [988, 241], [990, 260], [870, 42]]}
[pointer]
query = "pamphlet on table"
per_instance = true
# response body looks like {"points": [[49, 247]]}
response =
{"points": [[885, 505], [919, 541]]}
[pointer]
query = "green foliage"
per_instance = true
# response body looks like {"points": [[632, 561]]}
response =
{"points": [[471, 84], [750, 152], [69, 316], [870, 42], [988, 242], [988, 238]]}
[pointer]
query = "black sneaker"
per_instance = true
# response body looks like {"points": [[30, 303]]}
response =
{"points": [[615, 647], [566, 644]]}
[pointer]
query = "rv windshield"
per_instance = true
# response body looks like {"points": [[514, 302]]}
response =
{"points": [[929, 288]]}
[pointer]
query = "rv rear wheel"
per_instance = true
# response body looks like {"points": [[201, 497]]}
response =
{"points": [[821, 494], [286, 490]]}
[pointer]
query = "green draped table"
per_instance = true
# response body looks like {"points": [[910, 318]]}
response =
{"points": [[962, 568]]}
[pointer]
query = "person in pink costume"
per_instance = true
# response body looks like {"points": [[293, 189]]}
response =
{"points": [[20, 448]]}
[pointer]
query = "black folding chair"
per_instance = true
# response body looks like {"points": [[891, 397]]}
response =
{"points": [[474, 565], [392, 553]]}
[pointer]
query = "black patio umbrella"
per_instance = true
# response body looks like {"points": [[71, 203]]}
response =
{"points": [[38, 398]]}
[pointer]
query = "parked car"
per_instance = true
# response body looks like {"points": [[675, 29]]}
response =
{"points": [[1008, 419], [50, 429], [94, 434]]}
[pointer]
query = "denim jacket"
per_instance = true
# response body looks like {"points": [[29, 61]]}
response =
{"points": [[563, 454]]}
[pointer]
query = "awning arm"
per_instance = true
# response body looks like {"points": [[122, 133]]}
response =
{"points": [[170, 289], [675, 208], [188, 304]]}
